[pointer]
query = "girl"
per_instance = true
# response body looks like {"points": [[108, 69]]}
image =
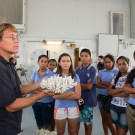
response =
{"points": [[43, 109], [52, 64], [104, 79], [66, 106], [119, 100], [129, 88]]}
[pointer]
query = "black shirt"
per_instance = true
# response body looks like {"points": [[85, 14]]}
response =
{"points": [[10, 123], [100, 66]]}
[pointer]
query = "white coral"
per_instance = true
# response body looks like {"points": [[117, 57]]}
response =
{"points": [[45, 132], [58, 84]]}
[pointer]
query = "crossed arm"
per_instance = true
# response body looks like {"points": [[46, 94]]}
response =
{"points": [[129, 90], [102, 84], [70, 95], [116, 92]]}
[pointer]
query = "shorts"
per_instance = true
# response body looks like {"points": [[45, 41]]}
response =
{"points": [[86, 115], [63, 113], [118, 116], [43, 113], [102, 101], [130, 113]]}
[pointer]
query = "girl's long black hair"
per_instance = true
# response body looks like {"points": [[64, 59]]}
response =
{"points": [[130, 77]]}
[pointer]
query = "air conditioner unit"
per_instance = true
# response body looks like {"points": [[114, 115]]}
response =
{"points": [[13, 11]]}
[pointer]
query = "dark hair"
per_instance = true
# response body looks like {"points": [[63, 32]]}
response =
{"points": [[52, 60], [41, 56], [59, 70], [111, 58], [134, 54], [79, 59], [128, 59], [130, 77], [123, 57], [119, 73], [86, 50], [100, 56]]}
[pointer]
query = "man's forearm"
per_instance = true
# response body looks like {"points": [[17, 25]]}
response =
{"points": [[21, 103], [29, 88]]}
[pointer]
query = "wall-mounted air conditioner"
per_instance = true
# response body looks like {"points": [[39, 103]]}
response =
{"points": [[13, 11]]}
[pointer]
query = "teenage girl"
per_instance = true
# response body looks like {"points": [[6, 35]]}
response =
{"points": [[66, 105], [104, 79], [120, 99], [43, 109], [52, 64]]}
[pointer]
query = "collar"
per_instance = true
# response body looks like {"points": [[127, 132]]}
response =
{"points": [[88, 67], [4, 61], [105, 70], [46, 72]]}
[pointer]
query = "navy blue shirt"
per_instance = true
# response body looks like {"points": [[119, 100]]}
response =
{"points": [[9, 91], [89, 96], [100, 66]]}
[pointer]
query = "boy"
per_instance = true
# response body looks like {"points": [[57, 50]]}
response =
{"points": [[87, 75]]}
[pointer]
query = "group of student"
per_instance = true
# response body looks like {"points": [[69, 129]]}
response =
{"points": [[116, 95]]}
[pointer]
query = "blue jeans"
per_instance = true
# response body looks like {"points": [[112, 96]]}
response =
{"points": [[102, 101], [118, 116], [43, 113]]}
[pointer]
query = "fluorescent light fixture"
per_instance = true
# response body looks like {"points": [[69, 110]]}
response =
{"points": [[53, 42]]}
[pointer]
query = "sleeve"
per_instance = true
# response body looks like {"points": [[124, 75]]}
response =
{"points": [[33, 76], [76, 70], [133, 83], [116, 72], [112, 82], [76, 78], [99, 73], [7, 92], [93, 76]]}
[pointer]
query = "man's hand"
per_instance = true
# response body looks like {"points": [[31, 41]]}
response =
{"points": [[48, 92]]}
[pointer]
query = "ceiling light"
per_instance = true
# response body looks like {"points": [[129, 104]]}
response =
{"points": [[53, 42]]}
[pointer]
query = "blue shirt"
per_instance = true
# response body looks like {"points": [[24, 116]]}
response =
{"points": [[89, 96], [61, 103], [131, 100], [106, 76], [35, 77]]}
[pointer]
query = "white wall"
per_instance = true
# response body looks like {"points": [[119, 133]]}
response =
{"points": [[71, 20]]}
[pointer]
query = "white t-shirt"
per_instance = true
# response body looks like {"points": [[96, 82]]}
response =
{"points": [[119, 101]]}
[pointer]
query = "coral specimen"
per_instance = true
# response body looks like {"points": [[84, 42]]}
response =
{"points": [[58, 84]]}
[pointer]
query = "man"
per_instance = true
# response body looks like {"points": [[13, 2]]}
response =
{"points": [[11, 101], [87, 75], [100, 65]]}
